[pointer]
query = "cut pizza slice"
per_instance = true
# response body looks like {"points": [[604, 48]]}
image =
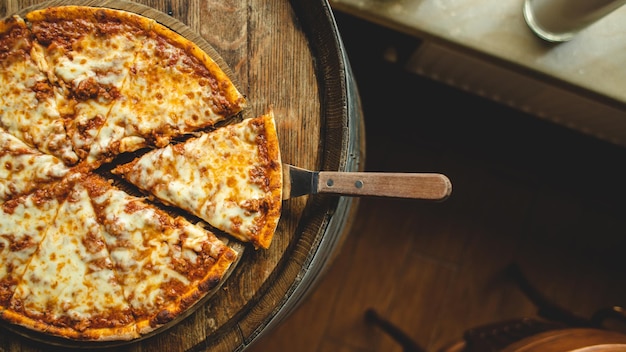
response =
{"points": [[88, 52], [24, 168], [70, 288], [23, 221], [28, 101], [165, 263], [173, 88], [230, 177]]}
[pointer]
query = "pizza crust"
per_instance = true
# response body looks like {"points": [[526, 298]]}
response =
{"points": [[125, 333], [275, 180], [234, 101], [194, 259], [109, 112]]}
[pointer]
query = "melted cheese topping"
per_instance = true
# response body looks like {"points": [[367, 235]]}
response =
{"points": [[109, 87], [23, 168], [28, 106], [89, 116], [107, 60], [219, 177], [150, 250], [78, 257], [22, 226], [167, 87], [164, 96], [94, 70], [70, 279]]}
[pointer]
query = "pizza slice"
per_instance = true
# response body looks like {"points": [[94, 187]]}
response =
{"points": [[174, 88], [69, 287], [230, 177], [24, 168], [23, 221], [28, 101], [88, 53], [165, 263]]}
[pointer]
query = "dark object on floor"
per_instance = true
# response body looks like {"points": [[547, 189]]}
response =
{"points": [[408, 345], [555, 329]]}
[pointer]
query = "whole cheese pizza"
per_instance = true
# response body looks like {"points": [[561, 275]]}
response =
{"points": [[82, 256]]}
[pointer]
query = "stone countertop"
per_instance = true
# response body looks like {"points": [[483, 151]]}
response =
{"points": [[594, 60]]}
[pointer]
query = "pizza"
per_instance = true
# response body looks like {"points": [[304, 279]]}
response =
{"points": [[83, 256], [28, 100], [24, 168], [23, 221], [230, 177], [68, 286], [94, 82], [91, 262]]}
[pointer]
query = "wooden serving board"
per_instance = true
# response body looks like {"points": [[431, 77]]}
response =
{"points": [[286, 55]]}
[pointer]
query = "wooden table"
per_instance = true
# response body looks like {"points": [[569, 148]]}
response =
{"points": [[286, 55]]}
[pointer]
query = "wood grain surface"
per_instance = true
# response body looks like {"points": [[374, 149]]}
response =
{"points": [[282, 55]]}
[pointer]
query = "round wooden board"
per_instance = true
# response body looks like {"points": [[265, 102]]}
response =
{"points": [[286, 55]]}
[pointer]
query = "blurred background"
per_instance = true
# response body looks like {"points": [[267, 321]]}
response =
{"points": [[527, 194]]}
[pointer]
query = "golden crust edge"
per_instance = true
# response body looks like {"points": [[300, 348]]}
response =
{"points": [[275, 176], [127, 332], [72, 12], [263, 238], [216, 273], [228, 88], [69, 12], [11, 22], [226, 258]]}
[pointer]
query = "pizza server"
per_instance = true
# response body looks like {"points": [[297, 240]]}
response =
{"points": [[426, 186]]}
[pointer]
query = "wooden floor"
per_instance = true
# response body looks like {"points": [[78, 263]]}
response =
{"points": [[525, 191]]}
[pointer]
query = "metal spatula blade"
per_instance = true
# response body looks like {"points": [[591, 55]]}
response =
{"points": [[426, 186]]}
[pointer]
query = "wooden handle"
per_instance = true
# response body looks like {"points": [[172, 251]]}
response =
{"points": [[428, 186]]}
